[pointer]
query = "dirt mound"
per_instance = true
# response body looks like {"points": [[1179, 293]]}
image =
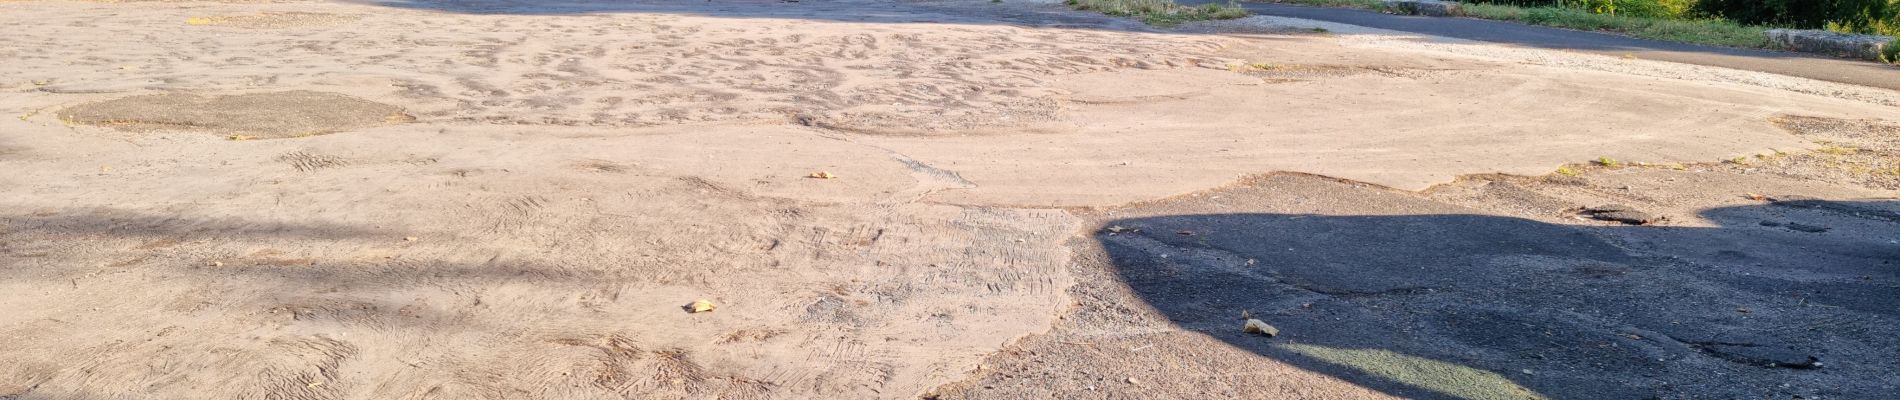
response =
{"points": [[255, 115], [273, 20], [1033, 115], [1284, 73]]}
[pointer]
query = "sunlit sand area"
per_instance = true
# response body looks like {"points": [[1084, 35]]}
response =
{"points": [[905, 199]]}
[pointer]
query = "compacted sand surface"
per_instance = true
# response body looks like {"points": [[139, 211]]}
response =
{"points": [[491, 199]]}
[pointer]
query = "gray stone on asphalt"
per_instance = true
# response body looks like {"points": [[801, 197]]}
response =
{"points": [[1259, 327], [1866, 47], [1627, 217], [1806, 228], [1619, 213]]}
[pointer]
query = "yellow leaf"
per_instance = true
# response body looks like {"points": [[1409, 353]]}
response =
{"points": [[823, 175], [701, 305]]}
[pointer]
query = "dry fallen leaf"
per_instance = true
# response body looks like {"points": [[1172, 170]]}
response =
{"points": [[700, 306], [823, 175]]}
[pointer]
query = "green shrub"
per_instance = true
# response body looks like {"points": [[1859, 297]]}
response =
{"points": [[1733, 23], [1889, 28], [1859, 16], [1853, 15], [1633, 8], [1160, 12], [1673, 9], [1492, 11], [1714, 32]]}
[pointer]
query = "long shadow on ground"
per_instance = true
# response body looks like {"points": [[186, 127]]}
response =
{"points": [[1472, 306]]}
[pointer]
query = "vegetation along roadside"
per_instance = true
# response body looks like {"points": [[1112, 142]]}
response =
{"points": [[1729, 23], [1162, 13]]}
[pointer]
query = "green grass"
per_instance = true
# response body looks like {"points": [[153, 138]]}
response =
{"points": [[1708, 31], [1160, 12], [1362, 4], [1705, 31]]}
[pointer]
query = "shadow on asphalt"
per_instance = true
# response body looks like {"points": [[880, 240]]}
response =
{"points": [[1475, 306]]}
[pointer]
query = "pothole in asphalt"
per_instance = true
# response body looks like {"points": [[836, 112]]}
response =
{"points": [[255, 115]]}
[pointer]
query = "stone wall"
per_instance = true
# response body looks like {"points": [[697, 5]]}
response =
{"points": [[1868, 47]]}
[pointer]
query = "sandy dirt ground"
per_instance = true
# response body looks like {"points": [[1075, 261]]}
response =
{"points": [[949, 199]]}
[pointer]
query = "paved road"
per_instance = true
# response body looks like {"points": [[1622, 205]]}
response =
{"points": [[1778, 62]]}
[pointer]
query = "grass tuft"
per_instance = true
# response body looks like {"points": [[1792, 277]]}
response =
{"points": [[1701, 31], [1161, 12], [1892, 53], [1837, 150], [1361, 4], [1252, 66]]}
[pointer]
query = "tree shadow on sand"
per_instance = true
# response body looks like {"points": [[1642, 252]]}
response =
{"points": [[1790, 297]]}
